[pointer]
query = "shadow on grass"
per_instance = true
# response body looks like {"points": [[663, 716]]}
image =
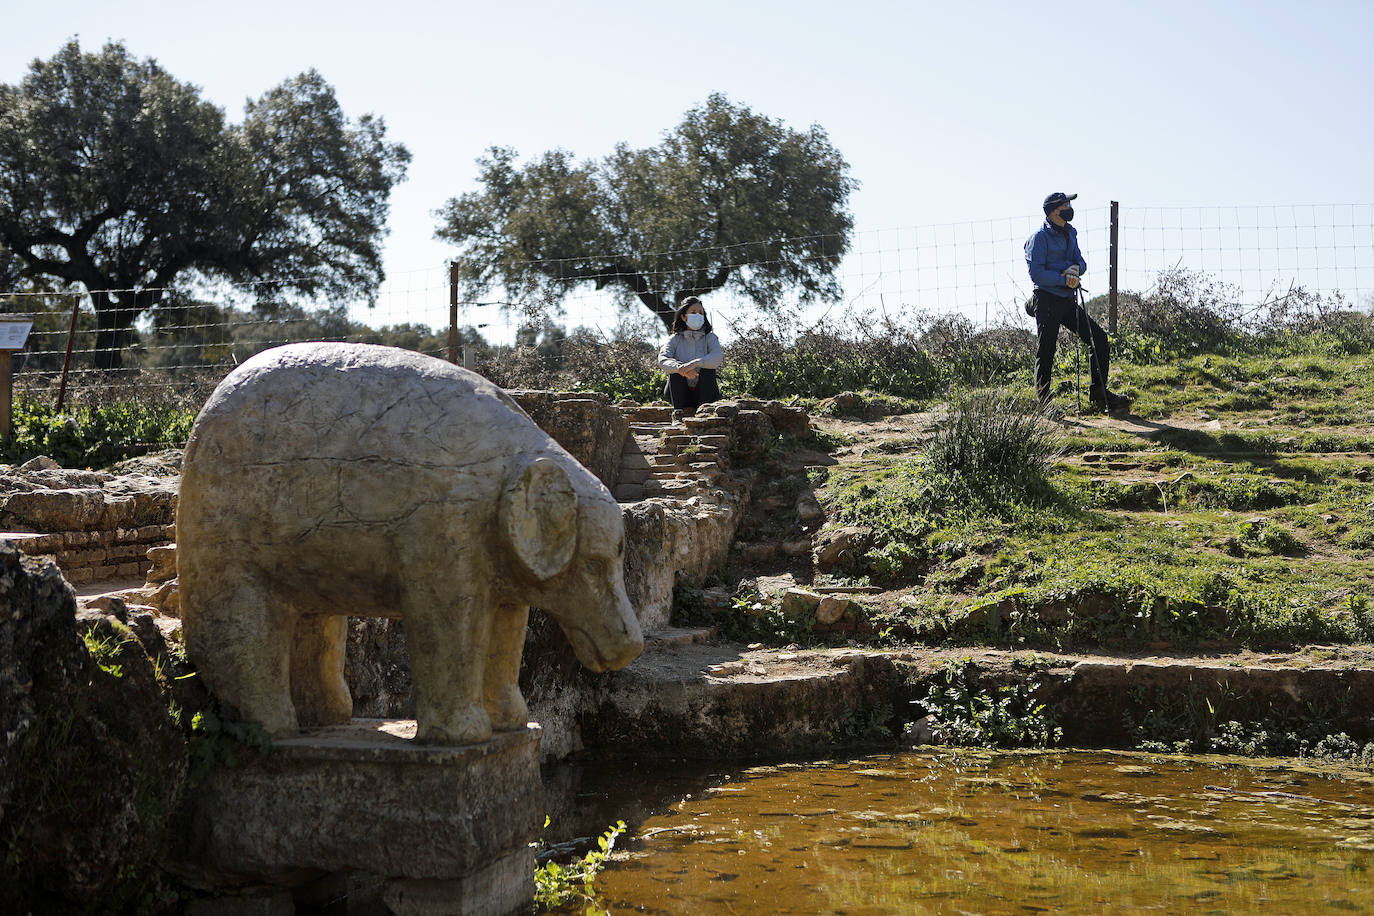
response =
{"points": [[1265, 452]]}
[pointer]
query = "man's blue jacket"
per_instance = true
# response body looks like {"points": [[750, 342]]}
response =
{"points": [[1049, 253]]}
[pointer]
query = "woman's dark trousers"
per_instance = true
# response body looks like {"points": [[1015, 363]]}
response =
{"points": [[688, 398], [1053, 312]]}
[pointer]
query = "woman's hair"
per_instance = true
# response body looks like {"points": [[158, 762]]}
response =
{"points": [[680, 316]]}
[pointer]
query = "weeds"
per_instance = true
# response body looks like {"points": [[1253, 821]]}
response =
{"points": [[106, 647], [1195, 722], [575, 883], [753, 619], [961, 712], [96, 435]]}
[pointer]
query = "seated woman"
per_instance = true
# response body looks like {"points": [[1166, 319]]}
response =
{"points": [[691, 357]]}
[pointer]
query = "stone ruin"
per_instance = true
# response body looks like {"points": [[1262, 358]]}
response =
{"points": [[680, 497]]}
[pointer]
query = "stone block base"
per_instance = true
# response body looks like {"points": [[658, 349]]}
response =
{"points": [[501, 888], [447, 827]]}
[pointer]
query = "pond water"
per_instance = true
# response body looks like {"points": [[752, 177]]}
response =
{"points": [[977, 832]]}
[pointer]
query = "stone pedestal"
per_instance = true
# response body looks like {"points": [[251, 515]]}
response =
{"points": [[448, 828]]}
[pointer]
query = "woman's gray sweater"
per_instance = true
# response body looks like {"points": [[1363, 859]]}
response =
{"points": [[695, 349]]}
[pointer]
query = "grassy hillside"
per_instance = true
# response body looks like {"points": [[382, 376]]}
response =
{"points": [[1233, 506]]}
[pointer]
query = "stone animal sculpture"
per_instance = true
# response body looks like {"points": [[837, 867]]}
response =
{"points": [[325, 480]]}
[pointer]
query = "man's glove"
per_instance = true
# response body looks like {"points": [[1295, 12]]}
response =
{"points": [[1071, 276]]}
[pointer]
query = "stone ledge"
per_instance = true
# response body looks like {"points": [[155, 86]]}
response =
{"points": [[723, 700]]}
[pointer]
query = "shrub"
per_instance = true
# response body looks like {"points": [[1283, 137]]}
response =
{"points": [[95, 436], [619, 368], [520, 367], [994, 439], [1185, 313], [917, 359], [575, 883], [821, 363]]}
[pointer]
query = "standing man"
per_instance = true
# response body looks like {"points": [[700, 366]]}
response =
{"points": [[1055, 265]]}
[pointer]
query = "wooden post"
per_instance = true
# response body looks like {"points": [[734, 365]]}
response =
{"points": [[1111, 270], [14, 332], [453, 313], [67, 360]]}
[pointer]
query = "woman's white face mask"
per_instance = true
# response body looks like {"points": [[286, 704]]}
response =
{"points": [[695, 320]]}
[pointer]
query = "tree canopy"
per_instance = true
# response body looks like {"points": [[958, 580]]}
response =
{"points": [[729, 198], [116, 176]]}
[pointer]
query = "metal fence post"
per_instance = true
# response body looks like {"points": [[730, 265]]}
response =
{"points": [[1111, 270], [453, 313]]}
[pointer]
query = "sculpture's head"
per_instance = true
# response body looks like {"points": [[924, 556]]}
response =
{"points": [[567, 546]]}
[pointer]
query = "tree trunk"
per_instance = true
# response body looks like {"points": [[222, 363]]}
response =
{"points": [[655, 303], [620, 273], [665, 314], [114, 319]]}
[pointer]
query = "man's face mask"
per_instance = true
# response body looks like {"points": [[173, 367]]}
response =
{"points": [[1066, 214], [695, 320]]}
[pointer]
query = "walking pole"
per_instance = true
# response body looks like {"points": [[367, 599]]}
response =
{"points": [[1078, 372], [1083, 316]]}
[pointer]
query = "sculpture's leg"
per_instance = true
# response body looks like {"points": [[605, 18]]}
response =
{"points": [[242, 638], [318, 687], [447, 637], [501, 681]]}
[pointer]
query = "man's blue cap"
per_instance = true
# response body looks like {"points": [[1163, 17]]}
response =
{"points": [[1056, 199]]}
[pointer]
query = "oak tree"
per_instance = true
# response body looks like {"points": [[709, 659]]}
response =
{"points": [[117, 176], [729, 199]]}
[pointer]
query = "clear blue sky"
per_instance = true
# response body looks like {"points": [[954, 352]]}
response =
{"points": [[946, 111]]}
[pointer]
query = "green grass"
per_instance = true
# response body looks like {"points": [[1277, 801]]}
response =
{"points": [[1257, 531]]}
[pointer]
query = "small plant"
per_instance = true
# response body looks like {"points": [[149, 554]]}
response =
{"points": [[105, 648], [1197, 721], [1260, 536], [557, 885], [755, 619], [214, 743], [964, 715], [993, 439]]}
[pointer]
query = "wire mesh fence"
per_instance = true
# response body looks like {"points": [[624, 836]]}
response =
{"points": [[1256, 257]]}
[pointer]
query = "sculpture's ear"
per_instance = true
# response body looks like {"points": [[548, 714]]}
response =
{"points": [[539, 518]]}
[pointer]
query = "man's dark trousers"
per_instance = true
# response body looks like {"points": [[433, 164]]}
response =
{"points": [[1053, 312]]}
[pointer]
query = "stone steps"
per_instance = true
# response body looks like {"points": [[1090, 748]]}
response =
{"points": [[668, 637], [95, 556], [673, 457]]}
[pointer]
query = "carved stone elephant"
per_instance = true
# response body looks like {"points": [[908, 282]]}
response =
{"points": [[328, 480]]}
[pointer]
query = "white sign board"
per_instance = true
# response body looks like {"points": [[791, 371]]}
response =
{"points": [[14, 333]]}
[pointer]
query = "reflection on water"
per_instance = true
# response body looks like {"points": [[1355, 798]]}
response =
{"points": [[974, 832]]}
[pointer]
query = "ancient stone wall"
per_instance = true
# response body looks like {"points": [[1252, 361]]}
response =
{"points": [[97, 525], [97, 556], [584, 423]]}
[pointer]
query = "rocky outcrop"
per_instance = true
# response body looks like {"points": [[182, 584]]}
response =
{"points": [[91, 761], [671, 542], [57, 499], [727, 701]]}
